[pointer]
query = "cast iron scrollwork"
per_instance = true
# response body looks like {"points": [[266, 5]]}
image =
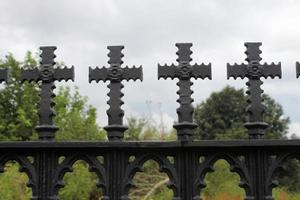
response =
{"points": [[277, 163], [94, 166], [236, 165], [25, 166], [137, 166]]}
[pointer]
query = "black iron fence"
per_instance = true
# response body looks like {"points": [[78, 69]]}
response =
{"points": [[256, 159]]}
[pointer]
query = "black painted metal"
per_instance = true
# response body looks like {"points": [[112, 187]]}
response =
{"points": [[47, 75], [256, 161], [3, 75], [184, 71], [115, 74], [297, 69], [254, 71]]}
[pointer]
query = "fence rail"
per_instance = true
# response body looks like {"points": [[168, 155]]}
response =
{"points": [[256, 159]]}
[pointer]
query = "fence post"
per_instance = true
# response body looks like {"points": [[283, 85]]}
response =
{"points": [[256, 160], [46, 161], [185, 161]]}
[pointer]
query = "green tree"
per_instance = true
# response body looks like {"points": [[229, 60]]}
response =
{"points": [[226, 183], [75, 118], [80, 184], [222, 116], [18, 101], [135, 127], [13, 183], [142, 129]]}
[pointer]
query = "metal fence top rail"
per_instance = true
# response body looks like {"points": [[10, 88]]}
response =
{"points": [[150, 144]]}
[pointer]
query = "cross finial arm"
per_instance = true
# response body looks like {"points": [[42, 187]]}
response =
{"points": [[297, 69], [237, 70]]}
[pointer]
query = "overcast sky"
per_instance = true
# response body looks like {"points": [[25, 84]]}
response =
{"points": [[82, 30]]}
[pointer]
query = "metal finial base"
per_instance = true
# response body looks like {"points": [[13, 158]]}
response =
{"points": [[115, 132]]}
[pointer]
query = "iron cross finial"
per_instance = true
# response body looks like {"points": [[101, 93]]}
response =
{"points": [[46, 75], [184, 71], [115, 74], [254, 70]]}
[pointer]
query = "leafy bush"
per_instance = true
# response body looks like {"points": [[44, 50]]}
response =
{"points": [[13, 183], [81, 184]]}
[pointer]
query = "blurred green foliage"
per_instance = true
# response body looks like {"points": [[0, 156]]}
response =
{"points": [[13, 183], [81, 184], [222, 181], [18, 102], [222, 116]]}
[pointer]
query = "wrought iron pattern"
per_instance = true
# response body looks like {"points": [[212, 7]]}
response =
{"points": [[115, 74], [254, 70], [185, 161], [47, 75], [184, 71]]}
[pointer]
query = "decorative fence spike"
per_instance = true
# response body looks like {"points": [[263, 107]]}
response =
{"points": [[115, 74], [46, 75], [297, 69], [184, 71], [253, 70]]}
